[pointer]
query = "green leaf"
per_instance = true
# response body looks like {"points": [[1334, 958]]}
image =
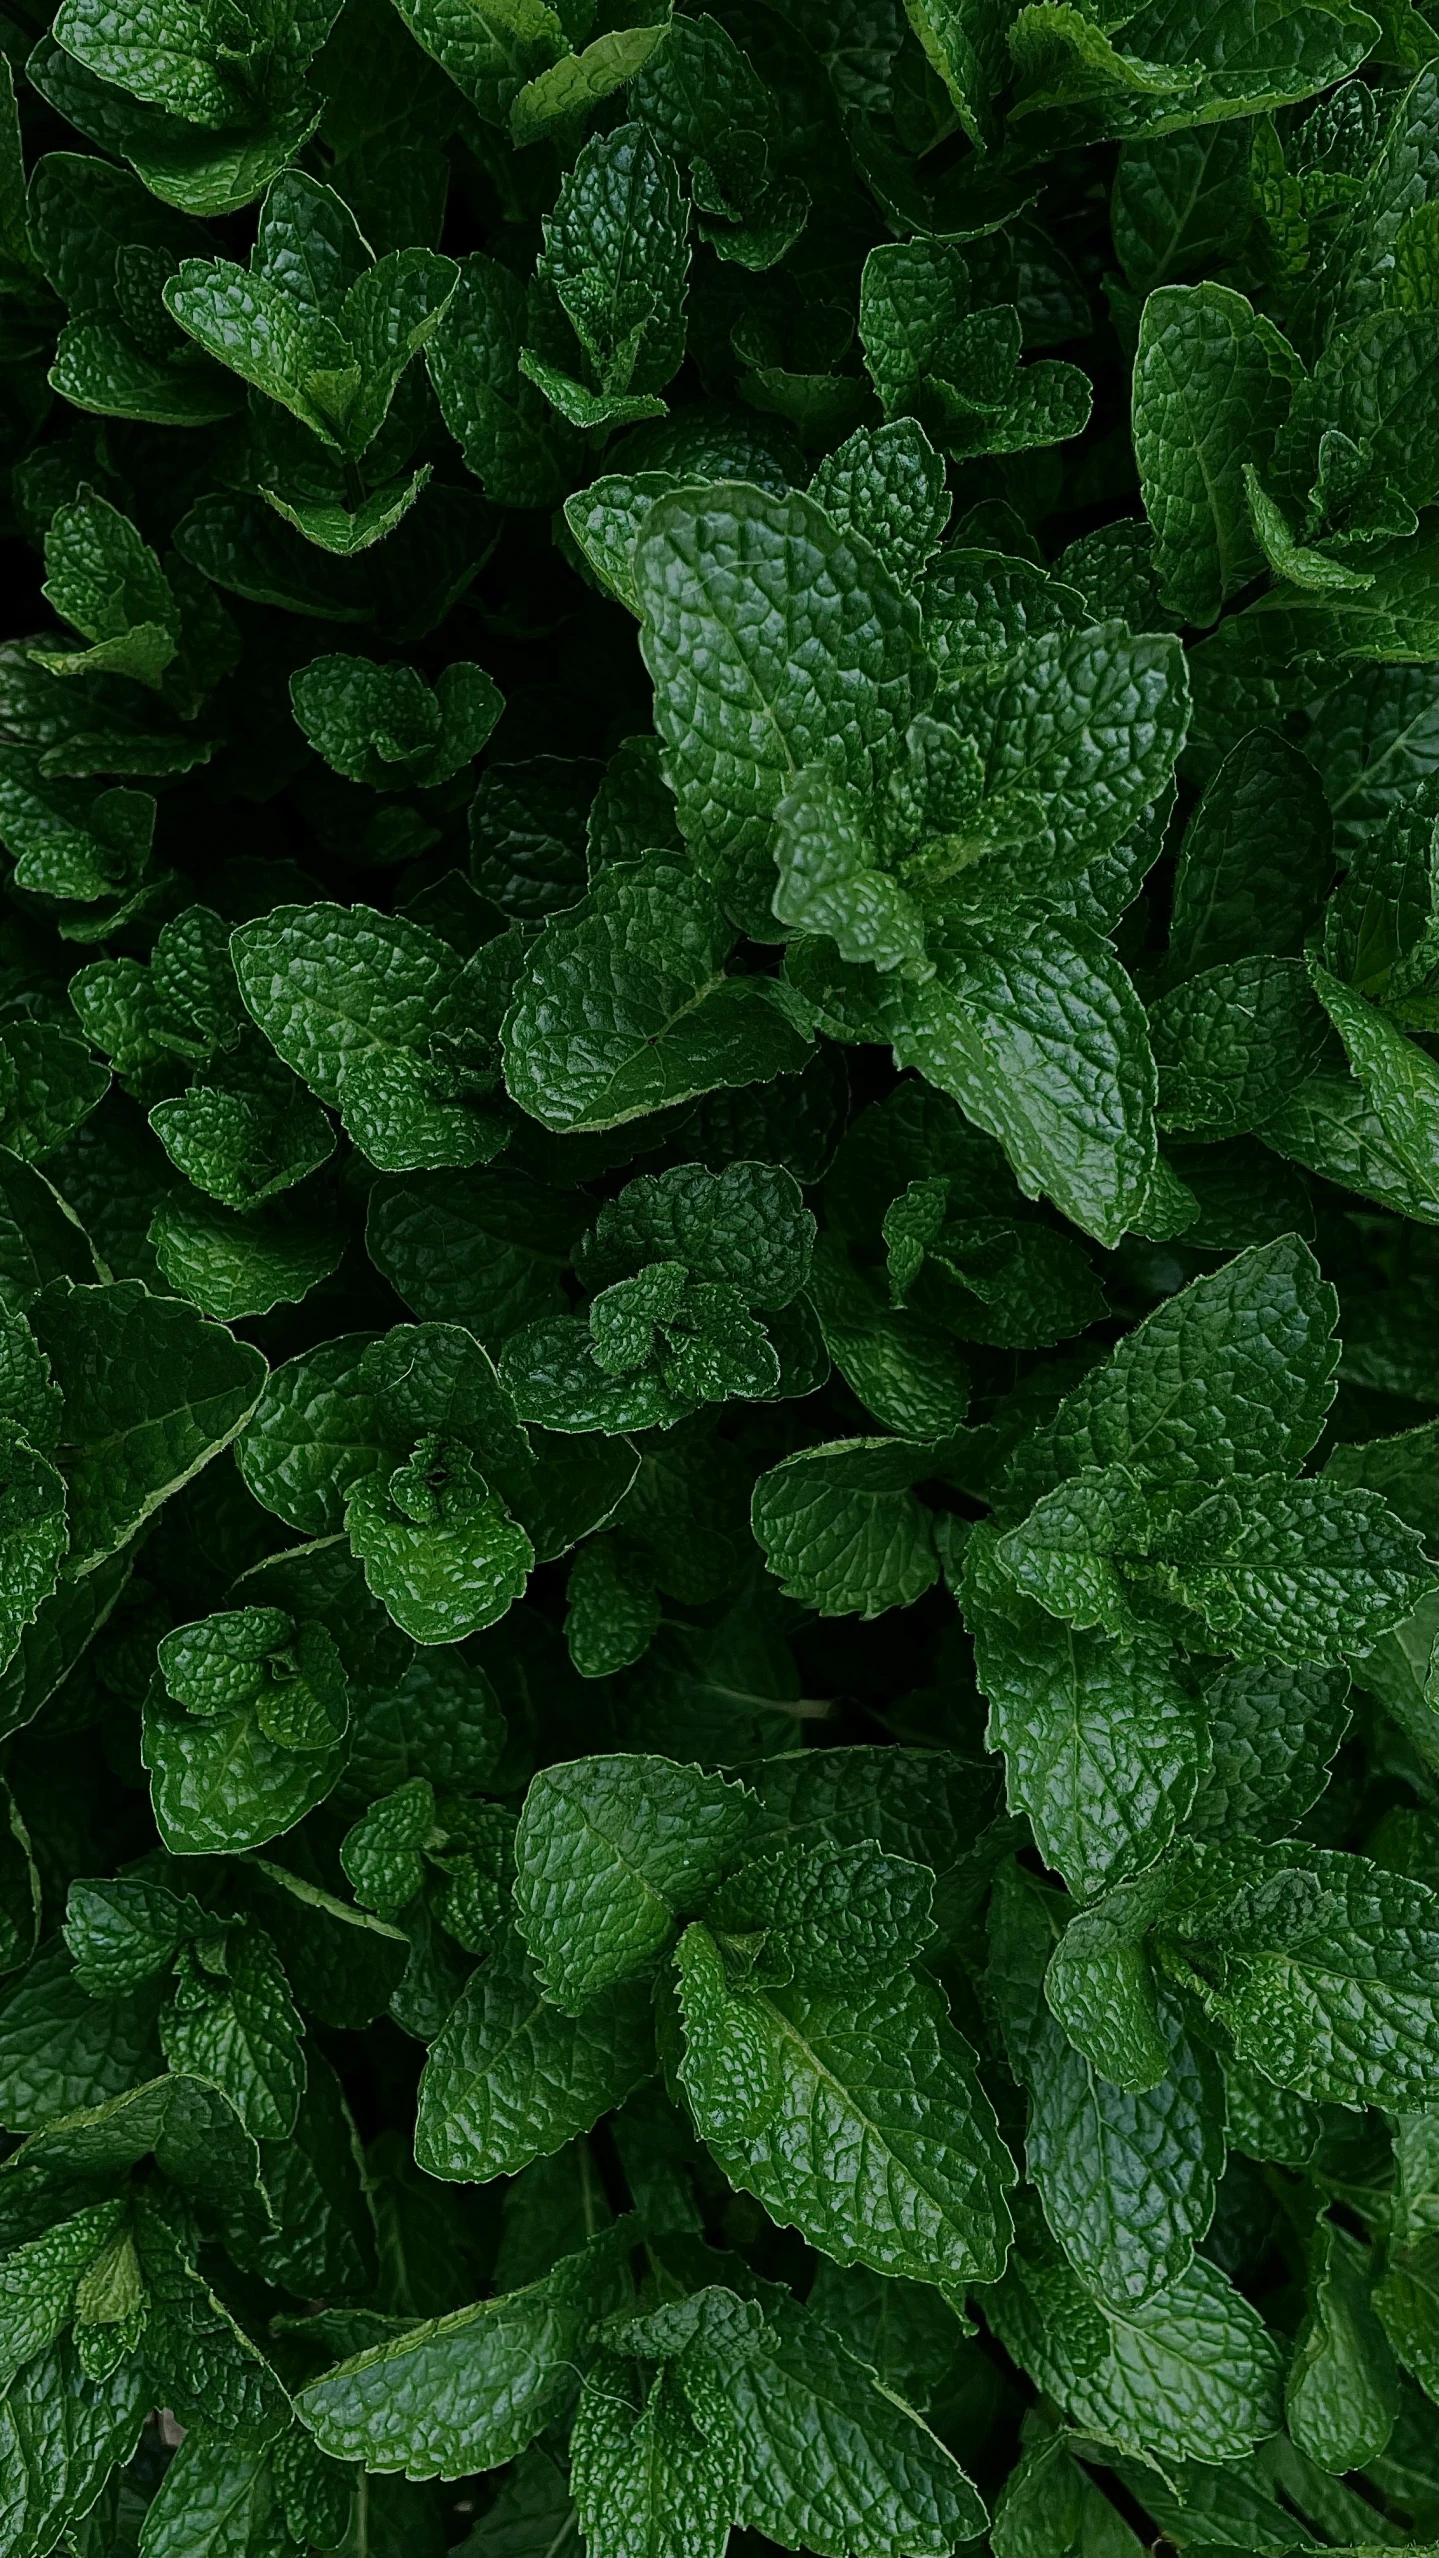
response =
{"points": [[1342, 2394], [470, 2390], [746, 1227], [439, 1549], [1404, 2298], [836, 1919], [231, 2020], [841, 1528], [1090, 721], [655, 2457], [152, 1393], [1400, 1083], [34, 1535], [1273, 1731], [1212, 386], [830, 879], [511, 2078], [218, 1787], [1240, 885], [486, 1249], [61, 2434], [611, 1612], [1101, 1738], [1127, 2180], [1231, 1378], [62, 2050], [1179, 68], [1051, 2504], [727, 580], [834, 2460], [1327, 1989], [1234, 1044], [581, 80], [124, 1932], [906, 1371], [995, 1027], [386, 726], [182, 62], [233, 1267], [56, 1084], [1194, 2374], [1304, 1574], [488, 52], [887, 484], [856, 2118], [40, 2282], [102, 578], [343, 1963], [616, 256], [1181, 202], [640, 964], [512, 440], [612, 1855], [315, 322], [377, 1016], [216, 2501]]}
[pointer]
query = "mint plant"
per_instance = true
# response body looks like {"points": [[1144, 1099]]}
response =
{"points": [[719, 1140]]}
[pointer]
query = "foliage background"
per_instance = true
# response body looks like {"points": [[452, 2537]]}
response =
{"points": [[951, 986]]}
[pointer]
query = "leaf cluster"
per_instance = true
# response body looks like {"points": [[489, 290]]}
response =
{"points": [[719, 1141]]}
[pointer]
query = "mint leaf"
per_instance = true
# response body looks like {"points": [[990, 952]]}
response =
{"points": [[386, 726], [1101, 1738], [887, 483], [511, 2077], [377, 1016], [411, 2403], [640, 963], [841, 1528], [993, 1027], [1231, 1378], [1348, 1941], [231, 2019], [1195, 2374], [152, 1392], [1341, 2397], [771, 567], [512, 440], [1127, 2180], [1212, 386], [611, 1854], [779, 2078], [1234, 1044]]}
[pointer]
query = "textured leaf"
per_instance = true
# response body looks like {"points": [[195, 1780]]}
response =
{"points": [[1193, 2375], [611, 1855], [1231, 1378], [1329, 1987], [625, 1007], [1101, 1739], [512, 2078], [727, 581], [414, 2405], [1039, 1035], [841, 1529], [859, 2120], [152, 1393], [370, 1011], [1342, 2393], [1127, 2180], [1212, 386]]}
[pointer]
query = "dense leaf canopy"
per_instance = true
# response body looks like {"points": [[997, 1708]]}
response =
{"points": [[718, 1146]]}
